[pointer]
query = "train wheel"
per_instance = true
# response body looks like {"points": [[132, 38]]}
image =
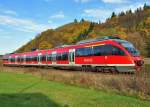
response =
{"points": [[100, 69], [113, 70], [83, 68], [89, 68]]}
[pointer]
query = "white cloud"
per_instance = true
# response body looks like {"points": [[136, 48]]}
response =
{"points": [[133, 7], [5, 34], [59, 15], [22, 24], [115, 1], [82, 1], [97, 13], [10, 12]]}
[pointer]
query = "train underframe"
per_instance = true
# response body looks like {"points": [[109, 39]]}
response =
{"points": [[86, 68]]}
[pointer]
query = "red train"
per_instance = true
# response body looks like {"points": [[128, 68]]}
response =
{"points": [[101, 54]]}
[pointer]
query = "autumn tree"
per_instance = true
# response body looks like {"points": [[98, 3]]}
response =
{"points": [[45, 45], [82, 20], [75, 21], [113, 15], [121, 14], [146, 6]]}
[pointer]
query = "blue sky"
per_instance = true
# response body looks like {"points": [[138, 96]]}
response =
{"points": [[22, 20]]}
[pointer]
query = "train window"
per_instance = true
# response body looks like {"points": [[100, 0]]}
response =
{"points": [[102, 50], [28, 58], [18, 59], [5, 59], [58, 57], [12, 59], [117, 51], [43, 58], [21, 59], [107, 50], [64, 56], [49, 58], [34, 58], [84, 52], [53, 56]]}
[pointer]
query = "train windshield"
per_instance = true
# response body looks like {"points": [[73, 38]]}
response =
{"points": [[131, 49]]}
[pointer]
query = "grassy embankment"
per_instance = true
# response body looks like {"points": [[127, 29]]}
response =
{"points": [[26, 90], [124, 84], [128, 85]]}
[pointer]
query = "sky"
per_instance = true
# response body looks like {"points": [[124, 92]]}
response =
{"points": [[22, 20]]}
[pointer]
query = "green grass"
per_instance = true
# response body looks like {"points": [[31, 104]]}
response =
{"points": [[25, 90]]}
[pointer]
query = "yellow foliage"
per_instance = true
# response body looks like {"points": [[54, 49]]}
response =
{"points": [[45, 45], [148, 21]]}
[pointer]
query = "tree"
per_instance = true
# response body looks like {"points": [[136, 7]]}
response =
{"points": [[121, 14], [82, 20], [90, 28], [45, 45], [130, 11], [75, 21], [99, 22], [113, 15], [146, 7]]}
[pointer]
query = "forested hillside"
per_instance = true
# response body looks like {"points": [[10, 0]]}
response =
{"points": [[132, 26]]}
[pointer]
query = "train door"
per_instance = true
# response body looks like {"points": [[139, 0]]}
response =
{"points": [[39, 58], [24, 61], [54, 53], [16, 60], [72, 56], [9, 60]]}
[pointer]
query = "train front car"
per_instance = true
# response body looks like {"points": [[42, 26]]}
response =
{"points": [[134, 54]]}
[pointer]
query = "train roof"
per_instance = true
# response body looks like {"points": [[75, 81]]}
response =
{"points": [[98, 39]]}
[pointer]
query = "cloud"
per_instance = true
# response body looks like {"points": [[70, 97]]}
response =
{"points": [[59, 15], [82, 1], [10, 12], [22, 24], [5, 34], [133, 7], [115, 1], [97, 13]]}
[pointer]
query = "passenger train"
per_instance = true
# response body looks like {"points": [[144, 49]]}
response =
{"points": [[107, 54]]}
